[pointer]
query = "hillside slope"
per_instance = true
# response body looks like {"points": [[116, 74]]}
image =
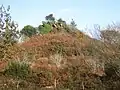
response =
{"points": [[70, 57]]}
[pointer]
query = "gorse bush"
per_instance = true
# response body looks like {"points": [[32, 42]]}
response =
{"points": [[18, 69]]}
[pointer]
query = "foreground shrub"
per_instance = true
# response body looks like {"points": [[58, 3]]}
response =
{"points": [[78, 78], [18, 69], [112, 79]]}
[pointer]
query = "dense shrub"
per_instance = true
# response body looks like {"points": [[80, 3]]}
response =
{"points": [[17, 69], [45, 28], [78, 78]]}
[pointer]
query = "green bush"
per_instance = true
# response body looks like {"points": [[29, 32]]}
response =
{"points": [[18, 69], [45, 28]]}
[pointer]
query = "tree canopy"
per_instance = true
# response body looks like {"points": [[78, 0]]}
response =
{"points": [[28, 31], [50, 18], [8, 28]]}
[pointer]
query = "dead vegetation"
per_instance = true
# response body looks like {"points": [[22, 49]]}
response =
{"points": [[62, 60]]}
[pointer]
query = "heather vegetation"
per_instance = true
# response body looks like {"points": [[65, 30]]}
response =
{"points": [[57, 56]]}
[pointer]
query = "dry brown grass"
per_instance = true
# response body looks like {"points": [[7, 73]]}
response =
{"points": [[60, 56]]}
